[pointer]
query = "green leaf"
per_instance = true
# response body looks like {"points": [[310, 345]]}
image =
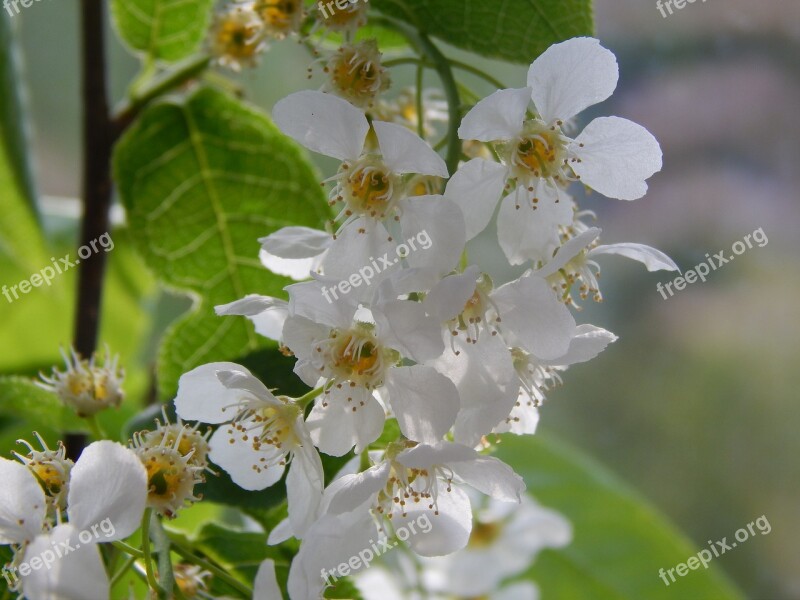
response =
{"points": [[20, 237], [167, 30], [22, 399], [513, 30], [620, 541], [202, 179]]}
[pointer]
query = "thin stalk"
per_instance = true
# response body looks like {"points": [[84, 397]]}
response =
{"points": [[306, 399], [420, 107], [148, 557], [121, 573], [127, 549], [441, 64]]}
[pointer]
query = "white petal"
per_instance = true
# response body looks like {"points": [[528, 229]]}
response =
{"points": [[360, 243], [425, 456], [475, 188], [448, 531], [352, 491], [405, 152], [241, 379], [300, 335], [447, 300], [298, 269], [532, 312], [280, 533], [330, 542], [496, 117], [492, 477], [617, 157], [568, 251], [314, 300], [527, 234], [107, 484], [322, 123], [78, 575], [653, 259], [304, 484], [571, 76], [265, 586], [345, 417], [404, 326], [202, 397], [424, 402], [487, 385], [588, 342], [267, 314], [433, 233], [22, 503], [297, 242], [246, 466]]}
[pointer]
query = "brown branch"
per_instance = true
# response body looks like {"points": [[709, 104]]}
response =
{"points": [[97, 140]]}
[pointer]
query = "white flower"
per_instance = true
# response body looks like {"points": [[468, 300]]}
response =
{"points": [[504, 542], [425, 481], [259, 436], [612, 155], [86, 386], [107, 485], [574, 261], [481, 325], [536, 375], [374, 183], [356, 354]]}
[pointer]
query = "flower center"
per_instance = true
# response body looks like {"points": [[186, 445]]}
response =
{"points": [[411, 486], [280, 16], [277, 427], [539, 152], [356, 73], [355, 355], [484, 534], [367, 188]]}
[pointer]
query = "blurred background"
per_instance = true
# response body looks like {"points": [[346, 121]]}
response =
{"points": [[697, 404]]}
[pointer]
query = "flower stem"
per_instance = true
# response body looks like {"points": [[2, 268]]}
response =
{"points": [[124, 569], [148, 558], [94, 427], [128, 549], [306, 399], [442, 65]]}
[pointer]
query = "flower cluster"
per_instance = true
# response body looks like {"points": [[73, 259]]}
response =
{"points": [[413, 372]]}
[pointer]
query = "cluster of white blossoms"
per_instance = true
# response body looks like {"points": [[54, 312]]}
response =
{"points": [[54, 514], [414, 369]]}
